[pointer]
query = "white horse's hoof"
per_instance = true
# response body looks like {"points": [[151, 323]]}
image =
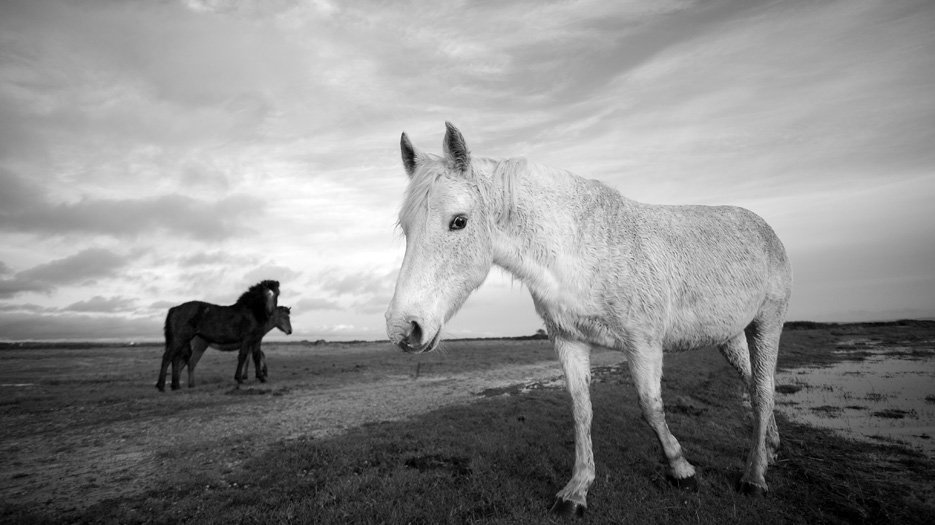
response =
{"points": [[751, 489], [567, 508], [689, 484], [772, 454]]}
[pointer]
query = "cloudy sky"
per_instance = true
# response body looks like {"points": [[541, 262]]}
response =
{"points": [[157, 152]]}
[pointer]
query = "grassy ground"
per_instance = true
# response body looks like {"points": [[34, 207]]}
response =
{"points": [[500, 459]]}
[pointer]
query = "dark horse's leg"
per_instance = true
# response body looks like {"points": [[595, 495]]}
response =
{"points": [[259, 362], [245, 374], [245, 350], [177, 370], [179, 330], [174, 357], [176, 345], [166, 359], [198, 346]]}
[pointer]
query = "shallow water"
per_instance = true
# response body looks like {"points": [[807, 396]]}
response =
{"points": [[887, 397]]}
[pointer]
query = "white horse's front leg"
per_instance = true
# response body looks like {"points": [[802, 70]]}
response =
{"points": [[575, 357]]}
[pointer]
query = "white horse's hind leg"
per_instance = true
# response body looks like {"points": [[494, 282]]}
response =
{"points": [[646, 368], [575, 357], [763, 340], [737, 353]]}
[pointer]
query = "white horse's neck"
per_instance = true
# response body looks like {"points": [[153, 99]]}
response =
{"points": [[538, 241], [536, 273]]}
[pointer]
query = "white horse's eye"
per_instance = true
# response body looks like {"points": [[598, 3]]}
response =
{"points": [[458, 223]]}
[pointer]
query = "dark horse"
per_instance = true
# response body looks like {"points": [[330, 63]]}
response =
{"points": [[243, 323], [279, 319]]}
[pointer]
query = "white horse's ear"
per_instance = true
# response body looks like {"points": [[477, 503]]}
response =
{"points": [[409, 154], [455, 148]]}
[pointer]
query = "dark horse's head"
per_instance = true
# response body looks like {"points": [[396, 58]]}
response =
{"points": [[261, 299], [281, 319]]}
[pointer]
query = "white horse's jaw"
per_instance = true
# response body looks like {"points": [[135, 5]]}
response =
{"points": [[431, 346]]}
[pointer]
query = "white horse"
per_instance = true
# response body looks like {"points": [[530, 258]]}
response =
{"points": [[602, 270]]}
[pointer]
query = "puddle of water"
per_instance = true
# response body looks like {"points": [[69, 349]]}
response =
{"points": [[888, 396]]}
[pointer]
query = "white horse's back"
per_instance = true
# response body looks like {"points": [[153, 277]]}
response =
{"points": [[612, 268]]}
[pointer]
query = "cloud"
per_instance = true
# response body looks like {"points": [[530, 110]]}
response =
{"points": [[314, 303], [162, 305], [204, 258], [175, 214], [248, 7], [17, 194], [77, 326], [370, 290], [86, 264], [375, 304], [27, 308], [25, 207], [343, 331], [359, 283], [83, 266], [277, 272], [102, 304]]}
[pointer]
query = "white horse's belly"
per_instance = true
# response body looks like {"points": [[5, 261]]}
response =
{"points": [[708, 324], [675, 329]]}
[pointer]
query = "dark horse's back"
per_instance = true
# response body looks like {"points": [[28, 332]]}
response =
{"points": [[214, 323]]}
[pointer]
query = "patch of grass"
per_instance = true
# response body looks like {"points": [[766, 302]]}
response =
{"points": [[828, 411], [789, 389], [501, 391], [894, 413], [248, 391]]}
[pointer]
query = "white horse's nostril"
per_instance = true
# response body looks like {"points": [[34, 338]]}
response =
{"points": [[414, 337]]}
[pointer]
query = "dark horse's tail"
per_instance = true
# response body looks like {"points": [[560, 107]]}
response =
{"points": [[166, 357], [167, 328]]}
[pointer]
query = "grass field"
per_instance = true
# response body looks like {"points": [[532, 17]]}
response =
{"points": [[362, 433]]}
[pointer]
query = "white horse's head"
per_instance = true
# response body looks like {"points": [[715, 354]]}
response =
{"points": [[447, 225]]}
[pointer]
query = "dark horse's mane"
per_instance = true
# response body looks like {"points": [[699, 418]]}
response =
{"points": [[255, 299]]}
